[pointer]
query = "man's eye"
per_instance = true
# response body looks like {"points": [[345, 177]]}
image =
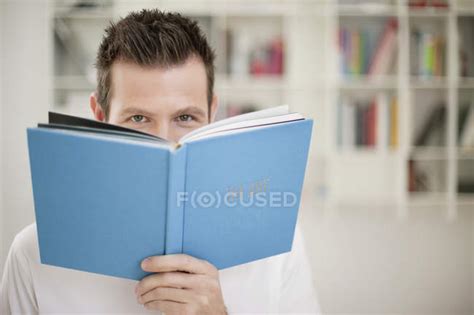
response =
{"points": [[185, 118], [138, 118]]}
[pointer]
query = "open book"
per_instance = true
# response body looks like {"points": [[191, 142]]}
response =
{"points": [[106, 197]]}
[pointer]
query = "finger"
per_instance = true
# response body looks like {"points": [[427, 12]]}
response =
{"points": [[179, 280], [167, 307], [166, 294], [177, 262]]}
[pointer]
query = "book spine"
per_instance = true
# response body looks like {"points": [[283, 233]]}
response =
{"points": [[340, 126], [342, 50], [372, 123], [467, 137], [382, 126], [366, 125], [394, 123], [360, 125], [383, 49], [365, 52], [356, 53], [176, 200]]}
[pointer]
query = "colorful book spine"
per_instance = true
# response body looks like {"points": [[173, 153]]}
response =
{"points": [[354, 51], [368, 52], [365, 51], [384, 53], [371, 123], [430, 54], [394, 123], [383, 117]]}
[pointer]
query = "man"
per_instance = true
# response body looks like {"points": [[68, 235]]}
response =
{"points": [[155, 73]]}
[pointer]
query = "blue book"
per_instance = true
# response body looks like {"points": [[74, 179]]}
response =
{"points": [[107, 197]]}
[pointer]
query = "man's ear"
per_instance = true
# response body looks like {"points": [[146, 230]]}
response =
{"points": [[96, 108], [214, 107]]}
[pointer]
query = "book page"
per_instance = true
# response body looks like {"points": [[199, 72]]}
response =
{"points": [[233, 121], [241, 125], [270, 112]]}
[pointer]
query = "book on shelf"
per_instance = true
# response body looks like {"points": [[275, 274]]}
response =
{"points": [[466, 46], [433, 130], [466, 176], [107, 197], [246, 56], [368, 52], [427, 54], [394, 122], [372, 123], [383, 58], [368, 5], [466, 126], [426, 4], [426, 176], [267, 59]]}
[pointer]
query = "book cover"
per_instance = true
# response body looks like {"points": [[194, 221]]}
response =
{"points": [[383, 56], [104, 202]]}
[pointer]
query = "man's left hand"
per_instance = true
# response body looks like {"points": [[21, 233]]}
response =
{"points": [[182, 284]]}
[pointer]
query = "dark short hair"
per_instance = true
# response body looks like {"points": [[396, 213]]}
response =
{"points": [[151, 37]]}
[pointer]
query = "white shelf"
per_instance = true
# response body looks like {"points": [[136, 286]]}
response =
{"points": [[465, 153], [362, 152], [247, 83], [429, 153], [428, 198], [465, 12], [363, 82], [370, 9], [428, 13], [235, 8], [466, 83], [422, 83], [465, 199]]}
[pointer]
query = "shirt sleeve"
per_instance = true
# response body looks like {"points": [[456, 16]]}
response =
{"points": [[297, 291], [17, 295]]}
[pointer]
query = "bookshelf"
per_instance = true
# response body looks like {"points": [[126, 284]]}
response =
{"points": [[272, 52], [432, 81]]}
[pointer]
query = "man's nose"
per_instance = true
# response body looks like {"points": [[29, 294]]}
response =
{"points": [[162, 130]]}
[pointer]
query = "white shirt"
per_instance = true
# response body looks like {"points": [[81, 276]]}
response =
{"points": [[278, 284]]}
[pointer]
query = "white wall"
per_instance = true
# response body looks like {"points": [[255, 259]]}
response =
{"points": [[369, 261], [26, 96], [1, 142]]}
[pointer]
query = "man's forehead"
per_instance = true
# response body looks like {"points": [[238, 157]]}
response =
{"points": [[181, 86], [192, 62]]}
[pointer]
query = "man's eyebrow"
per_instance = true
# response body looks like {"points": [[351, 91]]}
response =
{"points": [[191, 110], [135, 111]]}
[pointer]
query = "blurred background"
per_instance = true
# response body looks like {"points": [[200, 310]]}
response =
{"points": [[388, 201]]}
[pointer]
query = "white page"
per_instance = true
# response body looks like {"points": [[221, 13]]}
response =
{"points": [[265, 113], [240, 125]]}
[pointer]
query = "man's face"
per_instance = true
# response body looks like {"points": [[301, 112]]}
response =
{"points": [[166, 102]]}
